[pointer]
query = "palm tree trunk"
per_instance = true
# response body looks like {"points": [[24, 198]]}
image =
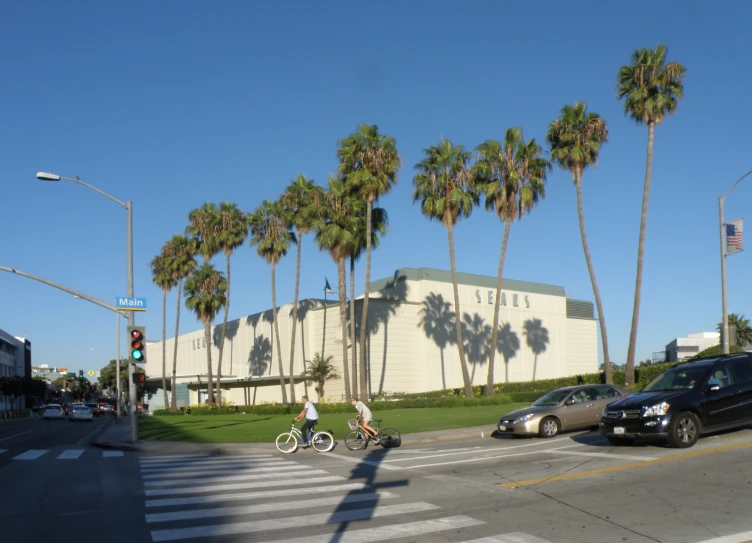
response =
{"points": [[629, 372], [458, 326], [224, 332], [364, 316], [497, 306], [596, 292], [295, 319], [174, 403], [164, 347], [276, 335], [209, 384], [352, 326], [343, 323]]}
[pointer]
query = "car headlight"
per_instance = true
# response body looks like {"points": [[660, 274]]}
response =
{"points": [[525, 418], [656, 410]]}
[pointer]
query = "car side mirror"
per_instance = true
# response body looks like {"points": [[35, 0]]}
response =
{"points": [[570, 401], [713, 388]]}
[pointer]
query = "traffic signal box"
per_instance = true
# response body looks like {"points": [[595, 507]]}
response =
{"points": [[137, 335], [138, 378]]}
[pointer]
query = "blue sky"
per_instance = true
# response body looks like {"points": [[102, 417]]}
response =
{"points": [[173, 104]]}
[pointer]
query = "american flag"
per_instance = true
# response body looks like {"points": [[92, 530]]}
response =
{"points": [[734, 233]]}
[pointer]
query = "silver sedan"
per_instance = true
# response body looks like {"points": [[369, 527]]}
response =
{"points": [[561, 410], [80, 412]]}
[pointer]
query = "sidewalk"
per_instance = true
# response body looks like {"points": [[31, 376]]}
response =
{"points": [[117, 436]]}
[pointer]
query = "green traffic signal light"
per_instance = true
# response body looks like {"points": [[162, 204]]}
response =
{"points": [[137, 336]]}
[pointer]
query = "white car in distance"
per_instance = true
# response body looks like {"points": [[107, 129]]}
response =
{"points": [[80, 412], [53, 411]]}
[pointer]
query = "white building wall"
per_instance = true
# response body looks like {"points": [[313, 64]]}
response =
{"points": [[582, 351]]}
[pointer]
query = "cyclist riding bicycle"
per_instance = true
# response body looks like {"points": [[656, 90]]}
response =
{"points": [[365, 415], [311, 416]]}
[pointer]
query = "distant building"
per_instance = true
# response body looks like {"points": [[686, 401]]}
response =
{"points": [[410, 340], [682, 348], [15, 361]]}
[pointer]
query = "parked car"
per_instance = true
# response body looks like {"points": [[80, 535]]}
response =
{"points": [[684, 402], [80, 412], [561, 410], [53, 411]]}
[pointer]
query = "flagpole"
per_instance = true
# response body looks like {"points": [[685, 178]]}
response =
{"points": [[724, 296]]}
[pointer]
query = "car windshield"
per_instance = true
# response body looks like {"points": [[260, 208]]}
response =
{"points": [[552, 398], [676, 379], [81, 408]]}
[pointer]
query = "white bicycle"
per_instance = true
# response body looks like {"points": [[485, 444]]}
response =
{"points": [[289, 442]]}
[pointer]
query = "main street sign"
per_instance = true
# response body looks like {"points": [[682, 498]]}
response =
{"points": [[130, 304]]}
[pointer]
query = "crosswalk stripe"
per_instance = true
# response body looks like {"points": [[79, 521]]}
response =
{"points": [[202, 458], [163, 457], [514, 537], [298, 480], [394, 531], [290, 471], [216, 462], [239, 465], [31, 454], [111, 454], [160, 474], [71, 454], [171, 502], [3, 450], [290, 522], [266, 507], [356, 460]]}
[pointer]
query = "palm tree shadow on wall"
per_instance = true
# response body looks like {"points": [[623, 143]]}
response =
{"points": [[476, 335], [259, 360], [232, 331], [507, 346], [437, 321], [380, 311], [537, 338], [304, 307]]}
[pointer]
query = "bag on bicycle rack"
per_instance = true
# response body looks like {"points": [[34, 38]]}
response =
{"points": [[353, 424]]}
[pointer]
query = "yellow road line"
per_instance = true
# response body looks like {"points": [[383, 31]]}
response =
{"points": [[621, 467]]}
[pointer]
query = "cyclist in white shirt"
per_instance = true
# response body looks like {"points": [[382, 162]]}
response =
{"points": [[311, 416], [365, 415]]}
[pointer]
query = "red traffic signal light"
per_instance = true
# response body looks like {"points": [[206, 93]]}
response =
{"points": [[138, 343]]}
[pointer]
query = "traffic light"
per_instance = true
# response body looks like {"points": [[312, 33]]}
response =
{"points": [[81, 373], [137, 335], [139, 378]]}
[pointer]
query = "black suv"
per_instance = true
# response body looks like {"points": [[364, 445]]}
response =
{"points": [[683, 402]]}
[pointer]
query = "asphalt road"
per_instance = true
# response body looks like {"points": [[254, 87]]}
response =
{"points": [[573, 488]]}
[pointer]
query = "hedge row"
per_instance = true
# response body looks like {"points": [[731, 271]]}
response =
{"points": [[13, 415]]}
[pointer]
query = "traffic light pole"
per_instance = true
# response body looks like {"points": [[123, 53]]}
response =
{"points": [[131, 321]]}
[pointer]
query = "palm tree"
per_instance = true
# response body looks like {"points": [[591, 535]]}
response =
{"points": [[272, 238], [513, 177], [233, 229], [743, 329], [369, 161], [445, 188], [204, 227], [651, 88], [337, 232], [181, 252], [300, 199], [575, 139], [163, 278], [205, 293], [320, 370]]}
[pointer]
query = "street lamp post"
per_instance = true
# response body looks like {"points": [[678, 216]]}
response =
{"points": [[46, 176], [724, 296]]}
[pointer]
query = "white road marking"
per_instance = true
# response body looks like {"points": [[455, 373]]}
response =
{"points": [[170, 502], [31, 454], [478, 459], [514, 537], [3, 450], [292, 471], [220, 470], [354, 460], [299, 480], [603, 455], [15, 435], [266, 507], [202, 463], [111, 454], [225, 465], [290, 522], [426, 451], [72, 454], [390, 531], [163, 457], [733, 538], [188, 457], [489, 450]]}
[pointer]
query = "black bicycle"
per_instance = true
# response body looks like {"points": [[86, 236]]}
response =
{"points": [[358, 438]]}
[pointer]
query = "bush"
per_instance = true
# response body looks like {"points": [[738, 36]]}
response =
{"points": [[716, 351]]}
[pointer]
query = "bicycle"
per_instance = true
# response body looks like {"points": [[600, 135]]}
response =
{"points": [[288, 442], [358, 438]]}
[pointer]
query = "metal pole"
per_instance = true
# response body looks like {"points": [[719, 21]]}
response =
{"points": [[131, 320], [724, 296], [117, 365]]}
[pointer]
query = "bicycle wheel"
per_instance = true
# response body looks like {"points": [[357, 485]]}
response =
{"points": [[322, 441], [356, 441], [390, 437], [286, 443]]}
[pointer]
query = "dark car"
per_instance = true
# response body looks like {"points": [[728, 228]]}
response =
{"points": [[683, 402], [94, 407]]}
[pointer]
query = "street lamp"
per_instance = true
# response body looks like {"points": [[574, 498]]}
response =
{"points": [[47, 176], [724, 296]]}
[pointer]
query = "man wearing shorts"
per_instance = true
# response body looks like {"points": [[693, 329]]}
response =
{"points": [[364, 414], [311, 416]]}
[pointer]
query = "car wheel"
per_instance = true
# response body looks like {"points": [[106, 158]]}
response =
{"points": [[549, 427], [683, 430], [620, 441]]}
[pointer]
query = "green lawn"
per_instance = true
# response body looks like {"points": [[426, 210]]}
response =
{"points": [[243, 428]]}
